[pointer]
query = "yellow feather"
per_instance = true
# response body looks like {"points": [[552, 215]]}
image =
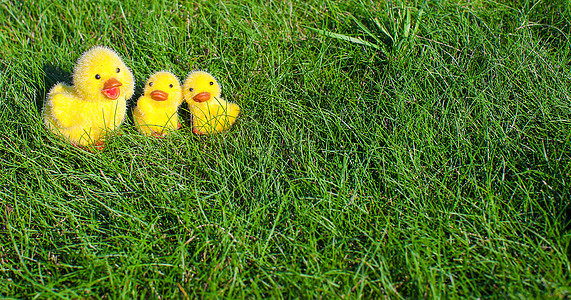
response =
{"points": [[96, 104], [155, 115], [211, 113]]}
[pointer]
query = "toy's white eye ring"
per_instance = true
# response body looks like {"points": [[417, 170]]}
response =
{"points": [[118, 70], [150, 84], [211, 83], [97, 76], [171, 85], [191, 89]]}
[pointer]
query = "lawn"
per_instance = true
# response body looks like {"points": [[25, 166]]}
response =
{"points": [[417, 149]]}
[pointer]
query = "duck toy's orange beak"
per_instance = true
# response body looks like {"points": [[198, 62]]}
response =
{"points": [[204, 96], [159, 95], [111, 88]]}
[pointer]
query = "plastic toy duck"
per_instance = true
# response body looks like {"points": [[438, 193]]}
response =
{"points": [[156, 111], [96, 103], [211, 114]]}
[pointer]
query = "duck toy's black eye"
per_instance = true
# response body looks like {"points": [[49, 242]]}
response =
{"points": [[211, 83], [118, 70], [191, 89], [171, 85], [150, 84], [97, 76]]}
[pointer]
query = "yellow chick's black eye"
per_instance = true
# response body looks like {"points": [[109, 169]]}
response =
{"points": [[118, 70], [191, 89], [211, 83], [150, 84], [171, 85], [97, 76]]}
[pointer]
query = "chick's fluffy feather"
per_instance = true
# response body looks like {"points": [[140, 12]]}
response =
{"points": [[213, 115], [155, 117], [82, 113]]}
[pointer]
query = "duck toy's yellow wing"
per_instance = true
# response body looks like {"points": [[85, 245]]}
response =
{"points": [[210, 113], [96, 103], [156, 113]]}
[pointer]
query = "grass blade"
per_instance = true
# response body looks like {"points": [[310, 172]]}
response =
{"points": [[365, 29], [345, 38], [407, 24]]}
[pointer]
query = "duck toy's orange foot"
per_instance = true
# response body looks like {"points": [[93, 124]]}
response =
{"points": [[160, 135], [198, 132], [99, 146]]}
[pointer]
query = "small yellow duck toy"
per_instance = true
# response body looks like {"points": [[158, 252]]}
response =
{"points": [[156, 111], [211, 114], [96, 103]]}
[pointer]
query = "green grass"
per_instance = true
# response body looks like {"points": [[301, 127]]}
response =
{"points": [[411, 164]]}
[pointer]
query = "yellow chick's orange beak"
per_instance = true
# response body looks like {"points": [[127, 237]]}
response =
{"points": [[159, 95], [111, 88], [204, 96]]}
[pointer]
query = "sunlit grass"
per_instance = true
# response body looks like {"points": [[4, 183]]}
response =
{"points": [[437, 168]]}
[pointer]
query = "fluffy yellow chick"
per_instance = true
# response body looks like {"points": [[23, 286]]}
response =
{"points": [[211, 114], [96, 103], [156, 111]]}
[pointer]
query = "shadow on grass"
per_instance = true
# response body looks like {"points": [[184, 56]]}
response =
{"points": [[52, 75], [185, 118], [131, 104]]}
